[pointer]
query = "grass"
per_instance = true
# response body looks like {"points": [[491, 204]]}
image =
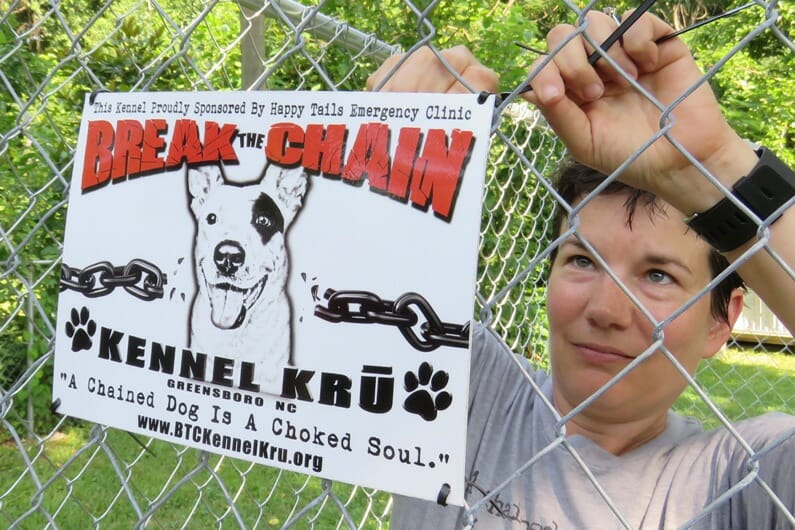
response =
{"points": [[85, 489], [743, 383], [72, 476]]}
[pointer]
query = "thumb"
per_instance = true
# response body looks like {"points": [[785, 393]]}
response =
{"points": [[571, 125]]}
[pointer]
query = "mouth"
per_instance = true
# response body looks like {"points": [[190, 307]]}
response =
{"points": [[229, 303], [602, 354]]}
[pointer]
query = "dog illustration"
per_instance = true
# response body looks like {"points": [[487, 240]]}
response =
{"points": [[241, 309]]}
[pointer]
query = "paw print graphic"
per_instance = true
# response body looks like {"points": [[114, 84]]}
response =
{"points": [[426, 397], [80, 329]]}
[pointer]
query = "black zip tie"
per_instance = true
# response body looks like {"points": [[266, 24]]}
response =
{"points": [[95, 93], [55, 405], [619, 31], [444, 492], [704, 22], [498, 97], [143, 445], [529, 48]]}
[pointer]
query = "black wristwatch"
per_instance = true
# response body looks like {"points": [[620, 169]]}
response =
{"points": [[768, 186]]}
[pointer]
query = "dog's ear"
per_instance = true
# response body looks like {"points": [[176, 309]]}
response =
{"points": [[288, 186], [201, 180]]}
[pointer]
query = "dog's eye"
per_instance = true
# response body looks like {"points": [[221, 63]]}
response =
{"points": [[211, 218], [263, 220]]}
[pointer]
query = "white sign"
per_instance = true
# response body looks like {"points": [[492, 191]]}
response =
{"points": [[282, 277]]}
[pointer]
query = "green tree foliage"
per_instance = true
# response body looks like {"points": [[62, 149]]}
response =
{"points": [[756, 86]]}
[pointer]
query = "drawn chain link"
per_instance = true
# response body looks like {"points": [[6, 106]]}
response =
{"points": [[363, 307], [139, 278]]}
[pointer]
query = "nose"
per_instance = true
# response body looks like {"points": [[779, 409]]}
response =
{"points": [[228, 257], [608, 306]]}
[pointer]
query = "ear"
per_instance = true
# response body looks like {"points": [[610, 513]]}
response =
{"points": [[720, 331], [287, 186], [201, 180]]}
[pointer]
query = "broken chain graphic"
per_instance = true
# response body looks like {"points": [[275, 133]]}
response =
{"points": [[139, 278], [364, 307]]}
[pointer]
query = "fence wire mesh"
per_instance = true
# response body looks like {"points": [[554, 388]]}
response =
{"points": [[58, 472]]}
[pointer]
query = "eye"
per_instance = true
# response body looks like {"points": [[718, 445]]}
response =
{"points": [[263, 220], [582, 262], [211, 219], [659, 277]]}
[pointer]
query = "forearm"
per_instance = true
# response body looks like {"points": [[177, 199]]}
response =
{"points": [[691, 192], [766, 277]]}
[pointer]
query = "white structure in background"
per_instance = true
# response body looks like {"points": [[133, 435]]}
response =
{"points": [[757, 323]]}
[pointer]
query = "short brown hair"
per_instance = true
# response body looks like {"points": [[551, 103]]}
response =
{"points": [[575, 180]]}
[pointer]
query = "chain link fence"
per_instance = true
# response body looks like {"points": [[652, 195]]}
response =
{"points": [[57, 472]]}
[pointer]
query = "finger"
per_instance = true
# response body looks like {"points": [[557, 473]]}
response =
{"points": [[571, 125], [600, 28], [571, 61], [384, 72], [419, 71], [475, 76], [547, 84], [639, 42], [478, 78]]}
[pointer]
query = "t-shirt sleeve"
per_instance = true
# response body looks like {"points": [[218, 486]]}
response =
{"points": [[772, 439], [496, 373]]}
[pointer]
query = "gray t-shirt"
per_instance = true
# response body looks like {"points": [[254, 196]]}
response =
{"points": [[662, 484]]}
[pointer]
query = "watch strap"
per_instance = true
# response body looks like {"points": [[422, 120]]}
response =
{"points": [[768, 186]]}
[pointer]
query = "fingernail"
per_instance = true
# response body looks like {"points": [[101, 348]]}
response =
{"points": [[549, 92], [593, 91]]}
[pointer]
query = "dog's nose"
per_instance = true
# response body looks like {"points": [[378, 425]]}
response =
{"points": [[228, 257]]}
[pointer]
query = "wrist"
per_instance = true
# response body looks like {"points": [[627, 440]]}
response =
{"points": [[767, 189], [692, 192]]}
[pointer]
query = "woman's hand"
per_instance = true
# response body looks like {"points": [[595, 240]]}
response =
{"points": [[604, 120]]}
